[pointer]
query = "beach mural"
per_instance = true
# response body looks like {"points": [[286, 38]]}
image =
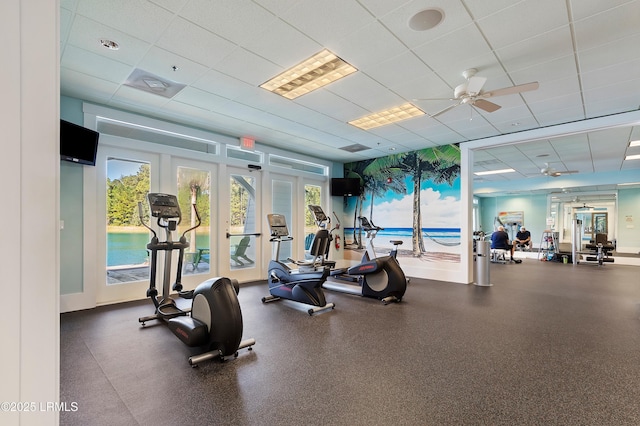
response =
{"points": [[415, 197]]}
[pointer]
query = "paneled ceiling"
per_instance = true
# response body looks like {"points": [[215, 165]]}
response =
{"points": [[583, 53]]}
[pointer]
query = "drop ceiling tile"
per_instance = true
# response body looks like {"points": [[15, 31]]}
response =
{"points": [[202, 99], [382, 7], [394, 71], [454, 50], [536, 50], [248, 67], [94, 65], [277, 7], [607, 27], [525, 20], [209, 49], [368, 46], [87, 33], [482, 8], [365, 92], [78, 85], [238, 21], [172, 5], [607, 55], [339, 18], [130, 96], [586, 8], [332, 105], [455, 16], [142, 20], [223, 85], [269, 44], [160, 62]]}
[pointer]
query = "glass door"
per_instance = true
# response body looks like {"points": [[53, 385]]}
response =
{"points": [[243, 226], [122, 261], [194, 192]]}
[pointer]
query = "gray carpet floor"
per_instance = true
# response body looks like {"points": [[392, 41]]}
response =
{"points": [[548, 344]]}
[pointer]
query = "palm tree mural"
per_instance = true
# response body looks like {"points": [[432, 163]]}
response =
{"points": [[356, 170], [440, 165]]}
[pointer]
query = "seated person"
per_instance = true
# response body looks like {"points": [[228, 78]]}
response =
{"points": [[500, 240], [523, 238]]}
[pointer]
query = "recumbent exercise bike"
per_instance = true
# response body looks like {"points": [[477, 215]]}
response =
{"points": [[302, 284], [215, 324], [381, 278]]}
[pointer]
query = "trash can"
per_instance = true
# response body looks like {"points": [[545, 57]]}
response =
{"points": [[565, 259], [482, 264]]}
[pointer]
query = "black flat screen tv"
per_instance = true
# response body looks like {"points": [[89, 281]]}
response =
{"points": [[78, 144], [345, 186]]}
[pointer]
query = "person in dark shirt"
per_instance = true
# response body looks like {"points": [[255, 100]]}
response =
{"points": [[523, 238], [500, 240]]}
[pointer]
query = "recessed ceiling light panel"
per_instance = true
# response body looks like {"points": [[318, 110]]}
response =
{"points": [[494, 172], [317, 71], [388, 116]]}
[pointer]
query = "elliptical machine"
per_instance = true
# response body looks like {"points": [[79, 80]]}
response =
{"points": [[215, 323], [302, 285], [377, 277]]}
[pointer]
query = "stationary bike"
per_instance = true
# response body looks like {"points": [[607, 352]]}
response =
{"points": [[215, 323], [303, 284], [377, 277]]}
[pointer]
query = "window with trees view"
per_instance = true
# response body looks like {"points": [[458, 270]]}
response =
{"points": [[127, 184]]}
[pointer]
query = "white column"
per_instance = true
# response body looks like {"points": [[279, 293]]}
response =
{"points": [[29, 119]]}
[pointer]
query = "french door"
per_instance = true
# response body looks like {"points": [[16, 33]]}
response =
{"points": [[121, 265], [240, 247], [197, 197]]}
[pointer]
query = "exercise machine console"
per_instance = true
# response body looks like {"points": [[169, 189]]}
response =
{"points": [[214, 325], [302, 284]]}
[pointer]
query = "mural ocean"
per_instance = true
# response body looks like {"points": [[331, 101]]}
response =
{"points": [[415, 197]]}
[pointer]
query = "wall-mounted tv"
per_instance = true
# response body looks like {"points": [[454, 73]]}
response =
{"points": [[78, 144], [345, 186]]}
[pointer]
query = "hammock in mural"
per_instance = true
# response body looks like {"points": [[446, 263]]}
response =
{"points": [[449, 244]]}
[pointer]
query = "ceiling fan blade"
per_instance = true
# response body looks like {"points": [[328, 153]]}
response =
{"points": [[474, 85], [444, 110], [485, 105], [512, 90]]}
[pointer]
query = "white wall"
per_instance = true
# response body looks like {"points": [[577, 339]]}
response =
{"points": [[29, 359]]}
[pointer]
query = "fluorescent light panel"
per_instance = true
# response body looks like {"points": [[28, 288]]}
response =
{"points": [[634, 143], [494, 172], [389, 116], [311, 74], [632, 157]]}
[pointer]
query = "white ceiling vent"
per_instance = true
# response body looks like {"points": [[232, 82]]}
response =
{"points": [[354, 148], [151, 83]]}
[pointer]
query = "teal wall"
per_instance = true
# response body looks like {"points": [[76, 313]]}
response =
{"points": [[535, 211], [629, 220], [533, 206], [71, 247]]}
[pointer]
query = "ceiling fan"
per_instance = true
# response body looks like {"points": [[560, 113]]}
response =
{"points": [[550, 171], [470, 92]]}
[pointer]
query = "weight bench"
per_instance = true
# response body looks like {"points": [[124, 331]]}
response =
{"points": [[601, 248], [499, 255]]}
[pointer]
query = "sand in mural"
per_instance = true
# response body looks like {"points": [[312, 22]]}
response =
{"points": [[415, 197]]}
